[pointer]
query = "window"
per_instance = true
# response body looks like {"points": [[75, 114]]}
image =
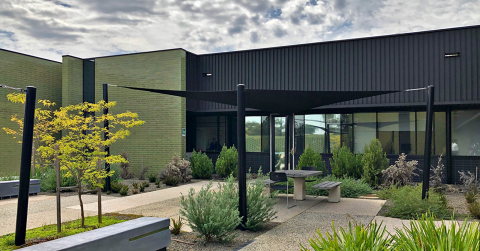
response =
{"points": [[279, 143], [364, 130], [465, 132], [265, 134], [347, 131], [210, 133], [396, 132], [299, 134], [253, 133], [333, 130], [315, 132], [439, 136]]}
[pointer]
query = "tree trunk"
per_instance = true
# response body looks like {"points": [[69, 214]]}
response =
{"points": [[81, 203]]}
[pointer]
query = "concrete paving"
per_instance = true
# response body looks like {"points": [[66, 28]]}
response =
{"points": [[301, 227]]}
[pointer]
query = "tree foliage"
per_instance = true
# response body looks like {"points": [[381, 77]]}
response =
{"points": [[227, 162], [310, 158], [346, 163], [201, 165], [374, 162]]}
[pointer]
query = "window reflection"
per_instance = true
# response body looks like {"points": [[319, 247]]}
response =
{"points": [[465, 132]]}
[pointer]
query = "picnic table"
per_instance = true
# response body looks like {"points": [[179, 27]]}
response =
{"points": [[299, 176]]}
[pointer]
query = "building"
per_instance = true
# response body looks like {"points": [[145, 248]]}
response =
{"points": [[448, 59]]}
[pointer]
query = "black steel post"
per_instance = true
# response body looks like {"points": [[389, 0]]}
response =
{"points": [[287, 140], [448, 121], [272, 143], [242, 169], [428, 142], [25, 165], [105, 136]]}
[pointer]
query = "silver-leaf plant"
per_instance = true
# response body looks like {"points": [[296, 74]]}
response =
{"points": [[469, 180], [436, 175], [401, 173]]}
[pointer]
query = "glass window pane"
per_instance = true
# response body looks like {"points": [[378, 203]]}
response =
{"points": [[279, 143], [222, 132], [315, 132], [396, 132], [253, 133], [365, 129], [265, 134], [347, 131], [440, 133], [299, 133], [333, 128], [207, 134], [465, 132]]}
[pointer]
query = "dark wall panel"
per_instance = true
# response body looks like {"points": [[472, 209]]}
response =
{"points": [[88, 81], [396, 62]]}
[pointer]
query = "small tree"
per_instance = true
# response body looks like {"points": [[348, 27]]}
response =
{"points": [[310, 158], [346, 163], [201, 165], [82, 144], [374, 162], [227, 162]]}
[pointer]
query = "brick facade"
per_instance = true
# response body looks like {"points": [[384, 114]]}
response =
{"points": [[155, 142], [20, 70]]}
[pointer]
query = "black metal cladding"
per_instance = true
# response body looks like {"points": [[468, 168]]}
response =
{"points": [[394, 62]]}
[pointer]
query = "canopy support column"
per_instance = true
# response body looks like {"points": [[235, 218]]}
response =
{"points": [[272, 143], [428, 142], [242, 169]]}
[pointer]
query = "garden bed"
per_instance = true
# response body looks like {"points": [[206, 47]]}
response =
{"points": [[49, 232], [179, 242]]}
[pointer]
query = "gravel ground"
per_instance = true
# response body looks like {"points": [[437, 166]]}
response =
{"points": [[457, 202], [243, 238]]}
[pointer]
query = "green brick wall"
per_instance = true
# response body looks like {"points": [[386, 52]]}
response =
{"points": [[72, 80], [160, 137], [20, 71]]}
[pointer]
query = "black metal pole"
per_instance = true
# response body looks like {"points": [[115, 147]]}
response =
{"points": [[428, 142], [105, 136], [25, 165], [448, 121], [287, 140], [242, 169], [272, 143]]}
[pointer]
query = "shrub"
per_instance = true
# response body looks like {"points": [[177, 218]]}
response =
{"points": [[178, 168], [134, 191], [474, 209], [135, 185], [470, 196], [142, 186], [259, 204], [201, 165], [356, 237], [427, 235], [124, 190], [152, 177], [115, 187], [143, 172], [157, 183], [171, 181], [227, 162], [350, 188], [48, 181], [126, 174], [408, 203], [176, 226], [401, 173], [470, 181], [212, 214], [346, 163], [116, 176], [310, 158], [437, 175], [374, 160]]}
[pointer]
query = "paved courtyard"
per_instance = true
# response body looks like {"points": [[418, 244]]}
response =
{"points": [[299, 223]]}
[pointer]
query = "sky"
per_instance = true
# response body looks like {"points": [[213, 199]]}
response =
{"points": [[93, 28]]}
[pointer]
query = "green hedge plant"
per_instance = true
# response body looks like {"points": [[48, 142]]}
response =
{"points": [[259, 204], [346, 163], [227, 162], [201, 165], [350, 187], [212, 214], [310, 158], [374, 161]]}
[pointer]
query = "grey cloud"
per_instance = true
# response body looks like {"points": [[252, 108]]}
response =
{"points": [[238, 25], [297, 15], [279, 32], [340, 4], [258, 6], [315, 19], [112, 19], [254, 37], [123, 6]]}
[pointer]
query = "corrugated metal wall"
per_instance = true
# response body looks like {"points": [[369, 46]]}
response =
{"points": [[384, 63]]}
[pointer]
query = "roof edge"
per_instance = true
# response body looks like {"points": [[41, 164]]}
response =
{"points": [[23, 54], [135, 53]]}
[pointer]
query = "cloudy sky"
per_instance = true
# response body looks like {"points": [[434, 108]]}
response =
{"points": [[91, 28]]}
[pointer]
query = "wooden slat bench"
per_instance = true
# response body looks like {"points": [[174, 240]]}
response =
{"points": [[333, 190]]}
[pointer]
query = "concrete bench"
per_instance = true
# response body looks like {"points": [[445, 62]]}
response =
{"points": [[142, 234], [333, 190], [9, 188]]}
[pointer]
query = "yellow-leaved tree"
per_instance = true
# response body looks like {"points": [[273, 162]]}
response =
{"points": [[78, 131]]}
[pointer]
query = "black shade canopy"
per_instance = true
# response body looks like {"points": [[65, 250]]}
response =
{"points": [[273, 101]]}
